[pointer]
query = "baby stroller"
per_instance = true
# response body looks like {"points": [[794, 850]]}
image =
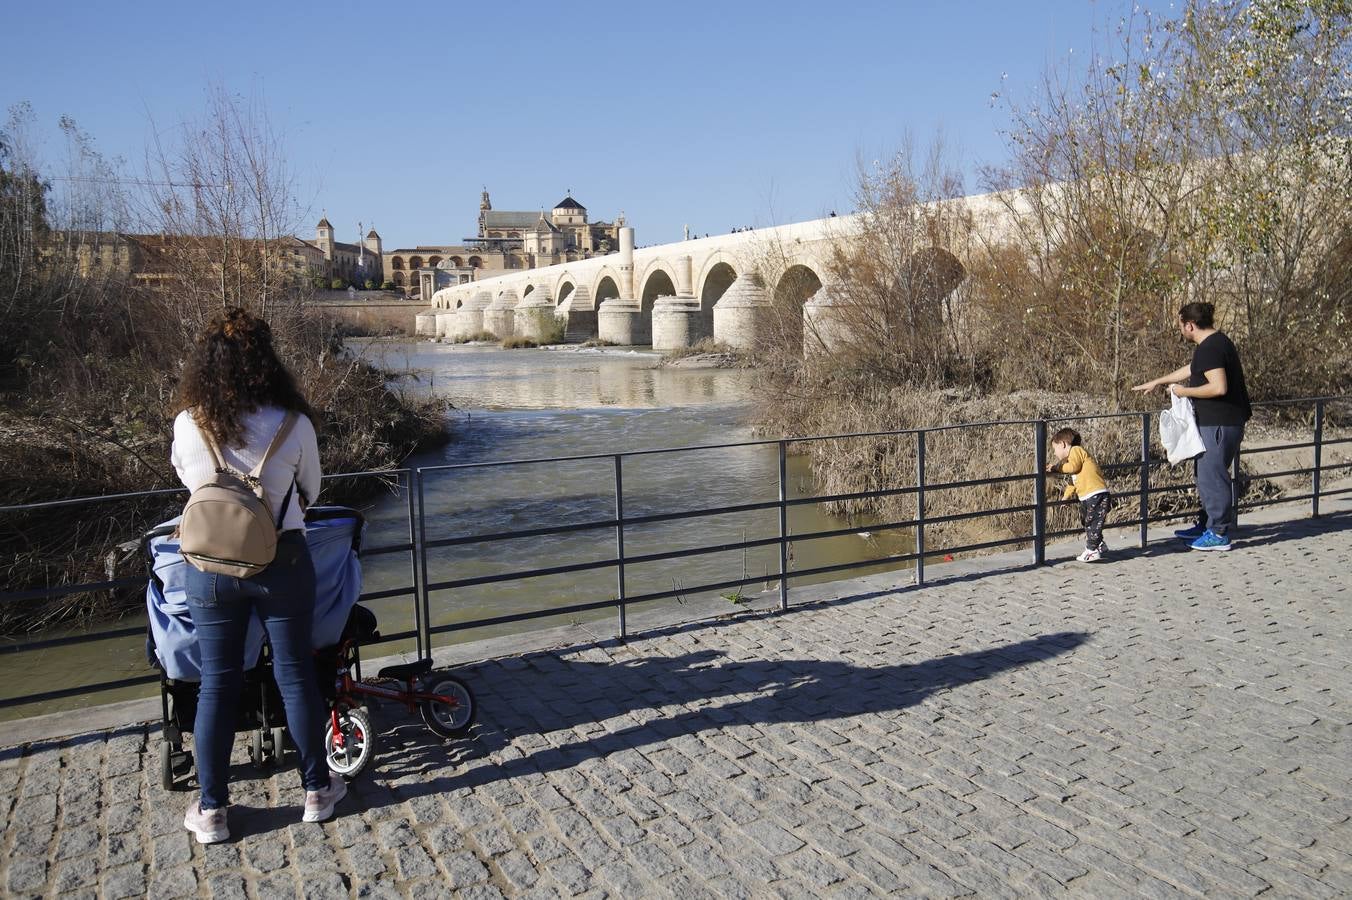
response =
{"points": [[334, 535]]}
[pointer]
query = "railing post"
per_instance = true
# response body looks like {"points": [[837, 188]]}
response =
{"points": [[1318, 456], [1145, 478], [417, 534], [919, 508], [783, 525], [619, 542], [1040, 493]]}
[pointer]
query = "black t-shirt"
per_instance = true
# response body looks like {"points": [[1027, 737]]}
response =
{"points": [[1232, 407]]}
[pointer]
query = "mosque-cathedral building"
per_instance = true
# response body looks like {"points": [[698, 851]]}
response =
{"points": [[507, 239]]}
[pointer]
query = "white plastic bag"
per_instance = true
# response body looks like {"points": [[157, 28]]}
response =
{"points": [[1178, 431]]}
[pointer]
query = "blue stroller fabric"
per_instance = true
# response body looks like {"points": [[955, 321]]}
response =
{"points": [[333, 536]]}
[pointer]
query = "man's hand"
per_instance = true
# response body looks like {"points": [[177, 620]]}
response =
{"points": [[1176, 390], [1147, 387]]}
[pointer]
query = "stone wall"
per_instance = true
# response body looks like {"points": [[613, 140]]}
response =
{"points": [[382, 313]]}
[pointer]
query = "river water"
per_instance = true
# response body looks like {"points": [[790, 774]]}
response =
{"points": [[535, 404]]}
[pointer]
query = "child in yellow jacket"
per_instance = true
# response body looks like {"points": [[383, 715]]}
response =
{"points": [[1086, 482]]}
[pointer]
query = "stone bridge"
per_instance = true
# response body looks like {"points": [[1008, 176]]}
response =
{"points": [[673, 295]]}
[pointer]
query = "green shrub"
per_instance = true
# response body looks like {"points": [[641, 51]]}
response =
{"points": [[370, 284], [337, 284], [518, 342]]}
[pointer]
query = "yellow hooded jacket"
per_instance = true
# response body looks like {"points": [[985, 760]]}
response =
{"points": [[1085, 478]]}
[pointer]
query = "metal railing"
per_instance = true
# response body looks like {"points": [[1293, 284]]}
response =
{"points": [[421, 586]]}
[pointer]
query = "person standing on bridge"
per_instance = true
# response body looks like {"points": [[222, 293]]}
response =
{"points": [[235, 397], [1215, 384]]}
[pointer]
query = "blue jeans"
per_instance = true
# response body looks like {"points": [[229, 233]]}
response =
{"points": [[1214, 483], [220, 605]]}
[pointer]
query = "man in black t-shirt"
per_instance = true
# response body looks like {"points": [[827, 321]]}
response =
{"points": [[1215, 383]]}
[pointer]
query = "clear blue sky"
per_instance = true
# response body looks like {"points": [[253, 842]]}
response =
{"points": [[712, 114]]}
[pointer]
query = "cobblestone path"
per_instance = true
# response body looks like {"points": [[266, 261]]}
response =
{"points": [[1167, 723]]}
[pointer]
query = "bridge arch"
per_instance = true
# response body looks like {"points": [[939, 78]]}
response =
{"points": [[795, 286], [658, 281], [564, 290], [717, 277], [607, 288]]}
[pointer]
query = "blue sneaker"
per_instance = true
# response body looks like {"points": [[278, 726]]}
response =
{"points": [[1211, 541], [1190, 534]]}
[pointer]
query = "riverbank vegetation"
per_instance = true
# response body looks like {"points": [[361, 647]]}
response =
{"points": [[1202, 157], [90, 354]]}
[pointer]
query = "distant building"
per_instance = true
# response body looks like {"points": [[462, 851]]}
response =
{"points": [[354, 263], [507, 239]]}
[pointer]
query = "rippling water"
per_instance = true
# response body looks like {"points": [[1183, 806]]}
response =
{"points": [[533, 404]]}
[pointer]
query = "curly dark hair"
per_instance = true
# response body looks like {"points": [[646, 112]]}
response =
{"points": [[232, 370]]}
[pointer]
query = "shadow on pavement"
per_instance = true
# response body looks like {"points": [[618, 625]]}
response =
{"points": [[553, 696]]}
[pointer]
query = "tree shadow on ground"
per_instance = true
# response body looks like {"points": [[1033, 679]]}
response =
{"points": [[553, 696]]}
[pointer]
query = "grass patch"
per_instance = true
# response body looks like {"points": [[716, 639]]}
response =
{"points": [[519, 342]]}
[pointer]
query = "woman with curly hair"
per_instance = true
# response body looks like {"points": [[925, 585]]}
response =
{"points": [[236, 397]]}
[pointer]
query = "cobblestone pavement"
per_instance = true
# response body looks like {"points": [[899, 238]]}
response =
{"points": [[1167, 723]]}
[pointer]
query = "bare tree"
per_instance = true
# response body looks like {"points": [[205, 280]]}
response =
{"points": [[221, 199]]}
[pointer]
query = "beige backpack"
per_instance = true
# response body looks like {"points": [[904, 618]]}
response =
{"points": [[227, 526]]}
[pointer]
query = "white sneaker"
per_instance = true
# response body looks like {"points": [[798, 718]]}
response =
{"points": [[319, 804], [1089, 556], [207, 825]]}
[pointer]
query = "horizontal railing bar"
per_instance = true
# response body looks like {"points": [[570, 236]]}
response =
{"points": [[630, 521], [855, 495], [389, 638], [1272, 501], [845, 532], [365, 473], [697, 551], [70, 639], [985, 545], [381, 551], [1285, 473], [518, 576], [386, 594], [100, 498], [67, 589], [524, 616], [959, 517], [542, 531], [859, 564], [1256, 451], [1329, 442], [701, 588], [1346, 490], [82, 689], [973, 482]]}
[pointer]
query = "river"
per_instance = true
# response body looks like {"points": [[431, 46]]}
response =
{"points": [[533, 404]]}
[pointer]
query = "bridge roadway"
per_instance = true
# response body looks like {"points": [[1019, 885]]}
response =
{"points": [[1167, 723]]}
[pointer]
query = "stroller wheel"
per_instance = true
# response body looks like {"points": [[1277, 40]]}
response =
{"points": [[348, 742], [278, 744], [258, 749], [166, 766], [448, 719]]}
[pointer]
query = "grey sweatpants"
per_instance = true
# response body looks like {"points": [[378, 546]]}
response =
{"points": [[1213, 475]]}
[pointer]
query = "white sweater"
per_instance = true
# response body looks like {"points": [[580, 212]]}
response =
{"points": [[296, 459]]}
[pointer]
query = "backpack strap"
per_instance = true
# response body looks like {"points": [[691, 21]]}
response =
{"points": [[217, 459], [277, 440]]}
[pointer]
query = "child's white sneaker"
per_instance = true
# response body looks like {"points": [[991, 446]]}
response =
{"points": [[1090, 556]]}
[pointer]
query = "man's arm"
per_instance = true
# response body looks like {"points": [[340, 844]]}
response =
{"points": [[1216, 386], [1180, 374]]}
